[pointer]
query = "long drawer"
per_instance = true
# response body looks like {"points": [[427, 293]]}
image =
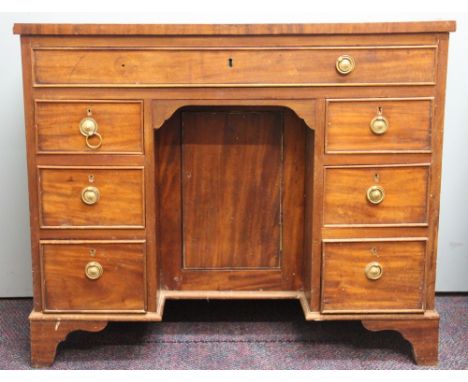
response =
{"points": [[372, 276], [96, 66], [91, 197], [93, 275]]}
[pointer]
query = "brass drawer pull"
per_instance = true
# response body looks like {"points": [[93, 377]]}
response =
{"points": [[375, 194], [89, 128], [95, 146], [90, 195], [379, 124], [374, 270], [345, 64], [93, 270]]}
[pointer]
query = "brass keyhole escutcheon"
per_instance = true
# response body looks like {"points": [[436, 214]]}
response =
{"points": [[90, 195], [93, 270], [345, 64], [379, 124], [375, 194], [374, 270]]}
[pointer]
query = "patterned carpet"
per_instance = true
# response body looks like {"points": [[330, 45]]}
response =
{"points": [[235, 335]]}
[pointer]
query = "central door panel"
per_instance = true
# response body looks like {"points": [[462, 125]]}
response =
{"points": [[231, 199], [231, 190]]}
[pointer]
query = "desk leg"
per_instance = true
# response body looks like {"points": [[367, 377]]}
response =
{"points": [[46, 335], [423, 334]]}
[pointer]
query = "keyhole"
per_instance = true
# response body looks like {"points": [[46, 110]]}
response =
{"points": [[230, 62]]}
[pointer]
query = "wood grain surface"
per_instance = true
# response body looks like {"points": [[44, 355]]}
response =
{"points": [[66, 287], [234, 29], [345, 287], [119, 124], [231, 189], [121, 203], [232, 195], [405, 202], [190, 67], [409, 121]]}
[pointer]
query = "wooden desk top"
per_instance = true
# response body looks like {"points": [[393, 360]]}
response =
{"points": [[234, 29]]}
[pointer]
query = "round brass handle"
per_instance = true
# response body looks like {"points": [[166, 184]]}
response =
{"points": [[379, 125], [90, 195], [345, 64], [375, 194], [93, 270], [374, 270], [88, 126]]}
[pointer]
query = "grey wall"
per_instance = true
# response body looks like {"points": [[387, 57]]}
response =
{"points": [[15, 264]]}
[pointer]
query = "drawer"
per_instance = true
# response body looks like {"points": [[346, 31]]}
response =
{"points": [[93, 275], [59, 124], [378, 125], [368, 276], [159, 66], [373, 196], [91, 197]]}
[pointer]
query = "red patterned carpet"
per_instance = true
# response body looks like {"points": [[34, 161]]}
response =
{"points": [[235, 335]]}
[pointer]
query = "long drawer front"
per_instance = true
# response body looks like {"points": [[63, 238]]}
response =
{"points": [[93, 276], [372, 275], [381, 65]]}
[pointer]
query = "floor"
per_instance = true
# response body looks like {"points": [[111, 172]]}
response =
{"points": [[235, 335]]}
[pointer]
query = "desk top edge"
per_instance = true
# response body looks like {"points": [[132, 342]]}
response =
{"points": [[233, 29]]}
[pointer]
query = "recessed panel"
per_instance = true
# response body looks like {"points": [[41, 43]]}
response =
{"points": [[231, 189]]}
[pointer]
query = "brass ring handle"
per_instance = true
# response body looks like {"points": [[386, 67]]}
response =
{"points": [[97, 145], [345, 64], [90, 195], [89, 128], [374, 270], [93, 270], [375, 194]]}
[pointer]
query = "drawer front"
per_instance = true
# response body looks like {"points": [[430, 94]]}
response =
{"points": [[119, 127], [91, 197], [378, 125], [367, 276], [104, 276], [221, 66], [372, 196]]}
